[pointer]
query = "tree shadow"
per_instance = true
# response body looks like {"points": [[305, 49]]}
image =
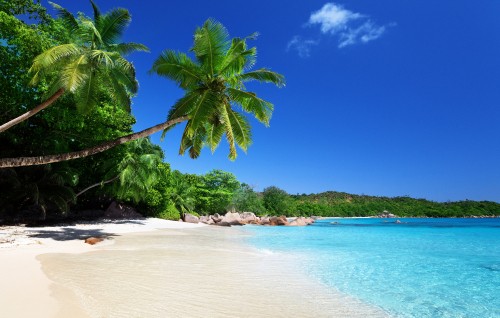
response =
{"points": [[69, 234]]}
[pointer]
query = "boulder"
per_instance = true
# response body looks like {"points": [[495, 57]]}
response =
{"points": [[264, 220], [210, 222], [248, 218], [189, 218], [121, 211], [216, 217], [231, 219], [205, 219], [301, 221], [278, 220]]}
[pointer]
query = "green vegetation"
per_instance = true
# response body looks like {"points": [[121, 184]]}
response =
{"points": [[214, 85], [78, 69]]}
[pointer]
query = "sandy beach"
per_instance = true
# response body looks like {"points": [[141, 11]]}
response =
{"points": [[156, 268]]}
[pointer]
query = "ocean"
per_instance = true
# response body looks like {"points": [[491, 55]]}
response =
{"points": [[416, 268]]}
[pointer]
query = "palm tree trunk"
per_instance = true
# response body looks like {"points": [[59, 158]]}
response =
{"points": [[42, 160], [32, 112], [97, 184]]}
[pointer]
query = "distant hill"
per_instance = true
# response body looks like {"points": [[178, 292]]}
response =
{"points": [[333, 203]]}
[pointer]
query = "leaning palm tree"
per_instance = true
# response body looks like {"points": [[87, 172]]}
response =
{"points": [[92, 59], [214, 85]]}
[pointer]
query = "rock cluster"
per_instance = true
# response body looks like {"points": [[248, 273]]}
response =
{"points": [[235, 218], [386, 215]]}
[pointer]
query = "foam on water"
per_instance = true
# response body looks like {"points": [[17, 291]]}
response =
{"points": [[416, 268]]}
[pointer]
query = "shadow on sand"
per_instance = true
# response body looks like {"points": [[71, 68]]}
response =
{"points": [[68, 232]]}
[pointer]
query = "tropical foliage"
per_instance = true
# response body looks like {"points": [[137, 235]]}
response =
{"points": [[215, 91], [89, 61]]}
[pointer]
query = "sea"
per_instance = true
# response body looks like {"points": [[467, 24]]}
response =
{"points": [[408, 267]]}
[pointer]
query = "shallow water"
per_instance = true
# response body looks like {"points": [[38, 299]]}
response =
{"points": [[204, 272], [418, 268]]}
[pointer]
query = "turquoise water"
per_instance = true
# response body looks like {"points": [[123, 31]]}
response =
{"points": [[418, 268]]}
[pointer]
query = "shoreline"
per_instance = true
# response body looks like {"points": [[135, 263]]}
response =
{"points": [[208, 264]]}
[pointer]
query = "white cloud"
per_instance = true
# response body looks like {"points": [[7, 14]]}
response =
{"points": [[303, 47], [364, 33], [347, 26], [333, 18]]}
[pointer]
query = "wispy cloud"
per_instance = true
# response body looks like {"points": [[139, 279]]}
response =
{"points": [[303, 47], [347, 26]]}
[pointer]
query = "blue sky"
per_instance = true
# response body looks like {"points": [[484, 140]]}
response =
{"points": [[382, 98]]}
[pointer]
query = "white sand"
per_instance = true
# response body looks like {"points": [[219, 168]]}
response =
{"points": [[182, 270], [25, 291]]}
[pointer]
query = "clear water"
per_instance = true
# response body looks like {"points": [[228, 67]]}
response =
{"points": [[417, 268]]}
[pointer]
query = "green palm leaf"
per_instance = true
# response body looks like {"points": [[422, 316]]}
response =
{"points": [[68, 20], [252, 104], [47, 61], [210, 45], [86, 99], [178, 67], [97, 14], [203, 106], [241, 129], [74, 74], [113, 24], [263, 75], [214, 135], [127, 48]]}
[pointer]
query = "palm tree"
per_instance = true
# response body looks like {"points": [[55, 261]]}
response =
{"points": [[36, 189], [93, 58], [182, 195], [137, 171], [214, 85]]}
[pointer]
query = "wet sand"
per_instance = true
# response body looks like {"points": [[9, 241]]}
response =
{"points": [[202, 272]]}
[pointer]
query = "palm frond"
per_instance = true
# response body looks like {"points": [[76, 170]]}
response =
{"points": [[184, 106], [89, 30], [214, 135], [263, 75], [178, 67], [241, 129], [228, 129], [203, 107], [210, 45], [68, 20], [74, 74], [118, 93], [237, 58], [101, 57], [86, 98], [124, 73], [47, 61], [97, 14], [252, 104], [113, 24], [127, 48]]}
